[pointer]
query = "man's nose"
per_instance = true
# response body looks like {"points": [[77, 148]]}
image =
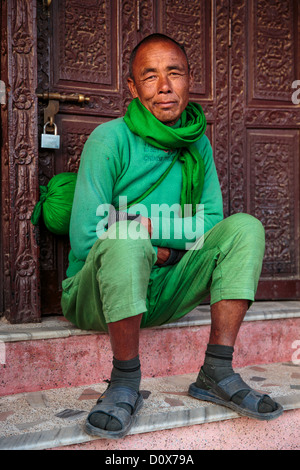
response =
{"points": [[164, 84]]}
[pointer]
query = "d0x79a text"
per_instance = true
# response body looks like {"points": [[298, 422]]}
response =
{"points": [[170, 459]]}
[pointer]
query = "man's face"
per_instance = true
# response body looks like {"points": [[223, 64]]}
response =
{"points": [[161, 80]]}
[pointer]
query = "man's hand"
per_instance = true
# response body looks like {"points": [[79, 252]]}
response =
{"points": [[147, 224], [162, 255]]}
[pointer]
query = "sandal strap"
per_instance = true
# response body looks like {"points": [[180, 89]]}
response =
{"points": [[119, 394], [232, 385], [111, 398], [120, 414], [252, 400], [227, 387]]}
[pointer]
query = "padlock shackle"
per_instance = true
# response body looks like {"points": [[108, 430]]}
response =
{"points": [[48, 123]]}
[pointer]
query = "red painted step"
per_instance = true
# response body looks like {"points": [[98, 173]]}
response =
{"points": [[55, 354]]}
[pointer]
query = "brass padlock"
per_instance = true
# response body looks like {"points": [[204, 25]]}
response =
{"points": [[50, 141]]}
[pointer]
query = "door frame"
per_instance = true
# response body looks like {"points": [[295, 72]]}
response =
{"points": [[19, 162]]}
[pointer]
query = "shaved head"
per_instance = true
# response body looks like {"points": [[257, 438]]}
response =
{"points": [[154, 38], [160, 77]]}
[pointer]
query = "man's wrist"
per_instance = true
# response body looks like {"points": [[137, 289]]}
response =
{"points": [[174, 258]]}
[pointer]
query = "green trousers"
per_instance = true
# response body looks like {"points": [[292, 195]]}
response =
{"points": [[120, 278]]}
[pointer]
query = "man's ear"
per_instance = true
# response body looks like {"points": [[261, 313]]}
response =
{"points": [[132, 87]]}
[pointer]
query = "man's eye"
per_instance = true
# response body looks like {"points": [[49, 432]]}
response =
{"points": [[175, 74], [151, 77]]}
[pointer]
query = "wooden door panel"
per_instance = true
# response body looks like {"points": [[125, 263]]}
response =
{"points": [[244, 70], [264, 138], [273, 197], [85, 44], [85, 54], [272, 46]]}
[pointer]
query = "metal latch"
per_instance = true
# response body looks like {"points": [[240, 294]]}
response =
{"points": [[54, 98]]}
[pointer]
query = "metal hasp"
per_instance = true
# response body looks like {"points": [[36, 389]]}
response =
{"points": [[75, 97], [54, 98]]}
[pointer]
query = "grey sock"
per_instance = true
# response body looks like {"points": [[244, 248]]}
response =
{"points": [[127, 373], [218, 361]]}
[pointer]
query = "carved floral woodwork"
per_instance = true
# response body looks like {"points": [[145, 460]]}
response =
{"points": [[220, 137], [85, 49], [264, 173], [273, 55], [20, 169], [274, 181]]}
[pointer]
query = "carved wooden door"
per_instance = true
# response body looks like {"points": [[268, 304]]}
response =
{"points": [[235, 48], [265, 133]]}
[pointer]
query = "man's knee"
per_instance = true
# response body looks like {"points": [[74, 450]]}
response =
{"points": [[250, 231], [248, 224]]}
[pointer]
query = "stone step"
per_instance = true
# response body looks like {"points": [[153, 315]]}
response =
{"points": [[170, 419], [55, 354]]}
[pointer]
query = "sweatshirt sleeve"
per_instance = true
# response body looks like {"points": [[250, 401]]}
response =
{"points": [[98, 170], [181, 232]]}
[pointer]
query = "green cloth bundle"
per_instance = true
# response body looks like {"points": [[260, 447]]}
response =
{"points": [[55, 203]]}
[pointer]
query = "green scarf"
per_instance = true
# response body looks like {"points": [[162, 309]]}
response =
{"points": [[193, 125]]}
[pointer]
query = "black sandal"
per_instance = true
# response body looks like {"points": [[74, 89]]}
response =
{"points": [[108, 404], [222, 392]]}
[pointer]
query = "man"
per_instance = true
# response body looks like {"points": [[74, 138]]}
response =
{"points": [[129, 271]]}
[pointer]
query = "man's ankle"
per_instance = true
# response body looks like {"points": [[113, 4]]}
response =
{"points": [[218, 362], [126, 373]]}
